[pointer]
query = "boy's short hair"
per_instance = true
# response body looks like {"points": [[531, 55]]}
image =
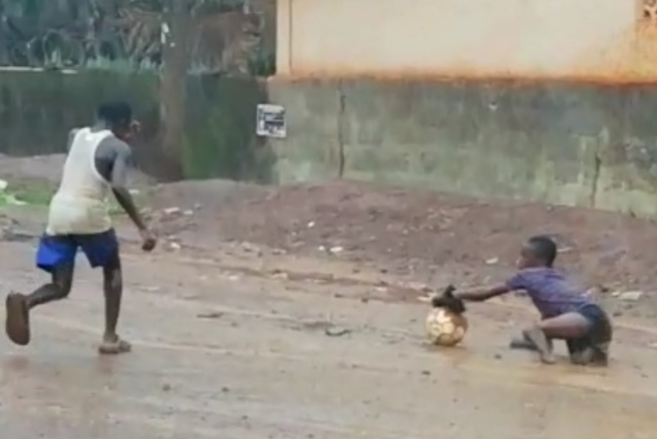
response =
{"points": [[115, 113], [544, 248]]}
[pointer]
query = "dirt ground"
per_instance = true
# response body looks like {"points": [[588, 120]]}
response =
{"points": [[293, 313]]}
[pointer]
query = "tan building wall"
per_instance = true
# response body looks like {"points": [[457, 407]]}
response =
{"points": [[459, 37]]}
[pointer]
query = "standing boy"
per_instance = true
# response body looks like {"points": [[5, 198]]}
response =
{"points": [[78, 218]]}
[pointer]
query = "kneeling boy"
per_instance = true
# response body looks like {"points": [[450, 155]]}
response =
{"points": [[566, 314]]}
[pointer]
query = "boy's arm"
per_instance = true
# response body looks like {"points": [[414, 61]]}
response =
{"points": [[481, 295], [119, 180], [516, 282]]}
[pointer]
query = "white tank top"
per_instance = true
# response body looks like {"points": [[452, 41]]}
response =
{"points": [[80, 205]]}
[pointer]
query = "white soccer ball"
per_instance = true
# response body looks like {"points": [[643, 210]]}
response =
{"points": [[444, 328]]}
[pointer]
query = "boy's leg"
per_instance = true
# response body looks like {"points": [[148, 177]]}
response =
{"points": [[56, 255], [593, 348], [566, 326], [102, 250], [113, 289]]}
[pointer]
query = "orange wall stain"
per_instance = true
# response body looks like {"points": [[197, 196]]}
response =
{"points": [[437, 40]]}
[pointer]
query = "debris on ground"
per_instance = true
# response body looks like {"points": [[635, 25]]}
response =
{"points": [[418, 233], [210, 315], [629, 296], [336, 331]]}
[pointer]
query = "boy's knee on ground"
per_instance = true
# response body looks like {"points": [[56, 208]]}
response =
{"points": [[589, 357], [583, 357]]}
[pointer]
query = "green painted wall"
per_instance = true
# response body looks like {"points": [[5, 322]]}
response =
{"points": [[38, 108]]}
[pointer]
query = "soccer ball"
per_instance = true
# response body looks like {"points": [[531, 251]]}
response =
{"points": [[444, 328]]}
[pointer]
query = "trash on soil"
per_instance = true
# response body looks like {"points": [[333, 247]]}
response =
{"points": [[420, 287], [335, 331], [629, 296], [172, 210], [210, 315], [277, 274], [249, 247]]}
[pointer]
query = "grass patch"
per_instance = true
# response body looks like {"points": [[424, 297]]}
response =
{"points": [[36, 194], [33, 195]]}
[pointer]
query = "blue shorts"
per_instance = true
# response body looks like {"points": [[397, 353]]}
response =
{"points": [[55, 251]]}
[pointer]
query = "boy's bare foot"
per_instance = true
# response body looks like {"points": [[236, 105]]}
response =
{"points": [[17, 323], [114, 346], [520, 342], [540, 341]]}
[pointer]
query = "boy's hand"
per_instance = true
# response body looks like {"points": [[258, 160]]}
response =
{"points": [[148, 240], [448, 301]]}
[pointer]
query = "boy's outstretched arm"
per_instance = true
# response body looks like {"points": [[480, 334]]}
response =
{"points": [[481, 295]]}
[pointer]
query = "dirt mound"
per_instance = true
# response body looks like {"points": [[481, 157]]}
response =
{"points": [[419, 233]]}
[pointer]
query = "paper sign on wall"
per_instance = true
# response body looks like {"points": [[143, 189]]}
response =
{"points": [[270, 121]]}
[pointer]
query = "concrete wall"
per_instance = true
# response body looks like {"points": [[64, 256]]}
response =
{"points": [[565, 143], [561, 142], [463, 38], [38, 109]]}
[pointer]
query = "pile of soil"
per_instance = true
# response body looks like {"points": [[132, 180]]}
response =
{"points": [[425, 234]]}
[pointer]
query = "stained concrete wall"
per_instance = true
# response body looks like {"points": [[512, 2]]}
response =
{"points": [[37, 109], [565, 143], [458, 38]]}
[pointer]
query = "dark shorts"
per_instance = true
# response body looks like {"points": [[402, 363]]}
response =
{"points": [[55, 251], [599, 334]]}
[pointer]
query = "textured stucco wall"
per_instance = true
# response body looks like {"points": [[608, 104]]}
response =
{"points": [[461, 38], [565, 143]]}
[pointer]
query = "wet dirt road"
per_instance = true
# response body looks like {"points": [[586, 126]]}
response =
{"points": [[219, 354]]}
